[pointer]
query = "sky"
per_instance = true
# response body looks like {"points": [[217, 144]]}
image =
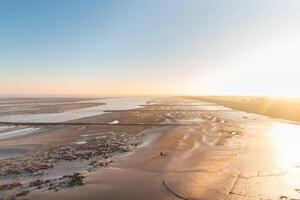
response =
{"points": [[149, 47]]}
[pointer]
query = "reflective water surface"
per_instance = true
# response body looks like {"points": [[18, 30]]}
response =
{"points": [[287, 141], [110, 104]]}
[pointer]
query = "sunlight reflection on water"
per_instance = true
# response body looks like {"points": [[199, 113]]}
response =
{"points": [[288, 143]]}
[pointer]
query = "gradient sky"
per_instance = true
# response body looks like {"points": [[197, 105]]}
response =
{"points": [[120, 47]]}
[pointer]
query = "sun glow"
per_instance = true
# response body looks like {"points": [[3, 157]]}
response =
{"points": [[268, 68]]}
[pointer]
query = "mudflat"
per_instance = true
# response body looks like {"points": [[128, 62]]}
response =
{"points": [[166, 148]]}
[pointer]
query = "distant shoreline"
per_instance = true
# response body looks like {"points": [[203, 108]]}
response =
{"points": [[283, 108]]}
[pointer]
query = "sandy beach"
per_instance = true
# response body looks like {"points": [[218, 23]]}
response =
{"points": [[162, 148]]}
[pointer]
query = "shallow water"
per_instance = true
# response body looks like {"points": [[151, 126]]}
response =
{"points": [[114, 122], [18, 133], [10, 152], [110, 104], [80, 142], [3, 128]]}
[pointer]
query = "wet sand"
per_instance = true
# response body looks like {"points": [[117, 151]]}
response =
{"points": [[196, 153]]}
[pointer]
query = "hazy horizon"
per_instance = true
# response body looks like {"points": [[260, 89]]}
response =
{"points": [[117, 48]]}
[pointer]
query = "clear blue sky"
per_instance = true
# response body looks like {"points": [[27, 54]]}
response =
{"points": [[78, 47]]}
